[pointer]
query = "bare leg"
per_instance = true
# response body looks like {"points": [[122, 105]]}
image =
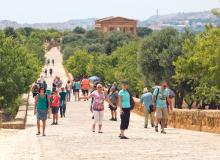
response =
{"points": [[38, 126], [93, 127], [100, 127], [44, 126], [122, 133]]}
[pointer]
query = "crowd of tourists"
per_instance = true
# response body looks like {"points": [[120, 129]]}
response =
{"points": [[53, 100]]}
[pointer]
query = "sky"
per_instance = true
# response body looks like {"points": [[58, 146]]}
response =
{"points": [[33, 11]]}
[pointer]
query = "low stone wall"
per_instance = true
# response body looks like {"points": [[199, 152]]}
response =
{"points": [[20, 118], [197, 120]]}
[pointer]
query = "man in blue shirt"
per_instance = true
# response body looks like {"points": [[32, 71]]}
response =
{"points": [[160, 95], [146, 101]]}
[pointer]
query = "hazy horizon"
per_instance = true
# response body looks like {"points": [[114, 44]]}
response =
{"points": [[47, 11]]}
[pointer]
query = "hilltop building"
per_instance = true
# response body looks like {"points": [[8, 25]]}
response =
{"points": [[116, 24]]}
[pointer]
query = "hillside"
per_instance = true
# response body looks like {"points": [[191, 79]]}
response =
{"points": [[194, 20]]}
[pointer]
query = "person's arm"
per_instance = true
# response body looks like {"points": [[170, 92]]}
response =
{"points": [[141, 101], [109, 102], [170, 103], [35, 104], [119, 103], [48, 101]]}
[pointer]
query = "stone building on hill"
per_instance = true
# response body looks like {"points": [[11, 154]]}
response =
{"points": [[116, 24]]}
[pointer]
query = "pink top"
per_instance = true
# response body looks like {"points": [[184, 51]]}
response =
{"points": [[98, 102], [56, 101]]}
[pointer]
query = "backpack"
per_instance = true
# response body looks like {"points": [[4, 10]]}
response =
{"points": [[132, 103]]}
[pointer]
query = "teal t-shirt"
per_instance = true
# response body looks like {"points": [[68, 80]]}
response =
{"points": [[161, 98], [146, 99], [42, 102], [77, 85], [48, 92], [125, 97], [62, 95]]}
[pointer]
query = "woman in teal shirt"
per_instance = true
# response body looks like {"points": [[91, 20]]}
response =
{"points": [[125, 108], [41, 109]]}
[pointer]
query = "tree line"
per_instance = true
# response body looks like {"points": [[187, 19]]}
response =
{"points": [[188, 61], [21, 61]]}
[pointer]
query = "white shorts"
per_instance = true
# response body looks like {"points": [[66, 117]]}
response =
{"points": [[98, 116]]}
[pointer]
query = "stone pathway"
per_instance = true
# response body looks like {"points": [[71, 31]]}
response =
{"points": [[72, 139]]}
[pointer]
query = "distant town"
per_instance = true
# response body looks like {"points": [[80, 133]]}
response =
{"points": [[194, 20]]}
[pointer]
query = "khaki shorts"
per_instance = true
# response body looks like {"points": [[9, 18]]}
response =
{"points": [[161, 113]]}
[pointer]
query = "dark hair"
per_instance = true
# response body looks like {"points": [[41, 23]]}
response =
{"points": [[41, 89], [68, 81]]}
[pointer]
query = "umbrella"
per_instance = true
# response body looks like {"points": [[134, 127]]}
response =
{"points": [[94, 78]]}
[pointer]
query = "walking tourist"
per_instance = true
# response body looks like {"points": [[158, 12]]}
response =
{"points": [[54, 85], [160, 95], [146, 101], [68, 88], [98, 106], [42, 79], [51, 71], [93, 89], [55, 105], [125, 108], [45, 72], [35, 90], [85, 86], [41, 109], [113, 97], [58, 83], [76, 88], [63, 97]]}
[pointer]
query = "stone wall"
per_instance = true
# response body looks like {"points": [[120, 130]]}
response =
{"points": [[197, 120], [20, 118]]}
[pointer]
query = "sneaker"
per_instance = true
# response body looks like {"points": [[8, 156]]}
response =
{"points": [[156, 129], [163, 132], [145, 126], [111, 119], [115, 119], [152, 125], [53, 123], [56, 123], [92, 117]]}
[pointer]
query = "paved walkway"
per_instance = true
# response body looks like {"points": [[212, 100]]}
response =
{"points": [[72, 139]]}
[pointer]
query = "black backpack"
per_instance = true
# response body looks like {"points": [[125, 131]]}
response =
{"points": [[132, 103]]}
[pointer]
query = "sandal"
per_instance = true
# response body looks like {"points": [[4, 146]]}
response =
{"points": [[38, 133]]}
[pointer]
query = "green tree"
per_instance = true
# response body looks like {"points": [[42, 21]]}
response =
{"points": [[77, 63], [199, 68], [143, 31], [157, 54], [79, 30], [10, 32], [115, 39]]}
